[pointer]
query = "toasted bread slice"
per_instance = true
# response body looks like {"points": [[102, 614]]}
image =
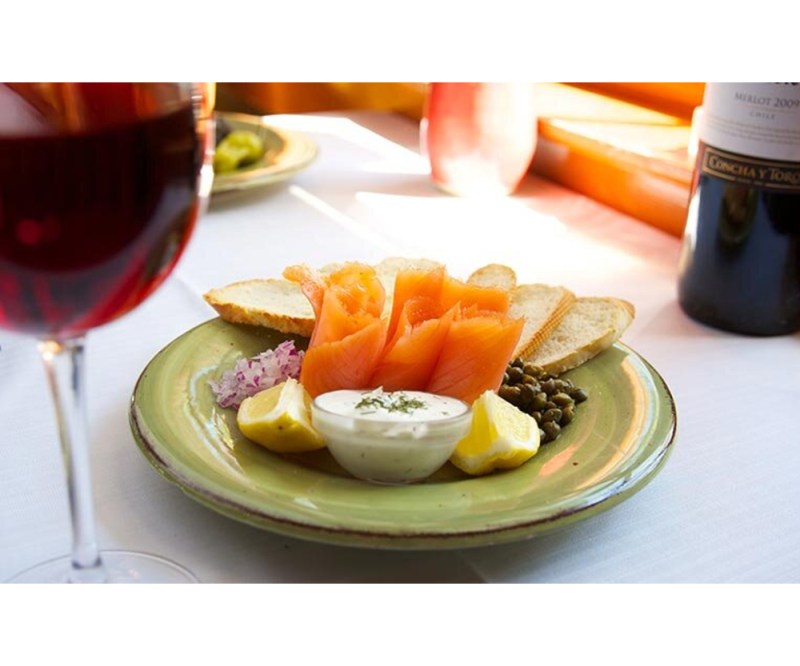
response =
{"points": [[280, 304], [272, 302], [543, 307], [591, 326], [494, 275]]}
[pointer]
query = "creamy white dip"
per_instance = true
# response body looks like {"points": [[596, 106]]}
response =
{"points": [[390, 437], [395, 407]]}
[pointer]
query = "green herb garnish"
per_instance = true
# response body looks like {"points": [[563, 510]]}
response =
{"points": [[391, 402]]}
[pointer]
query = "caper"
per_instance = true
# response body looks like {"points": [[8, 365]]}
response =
{"points": [[550, 400], [527, 394], [560, 384], [578, 394], [510, 393], [562, 400], [539, 401], [549, 386], [533, 370], [515, 375], [552, 415], [551, 430]]}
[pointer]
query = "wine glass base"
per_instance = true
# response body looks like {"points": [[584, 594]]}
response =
{"points": [[120, 566]]}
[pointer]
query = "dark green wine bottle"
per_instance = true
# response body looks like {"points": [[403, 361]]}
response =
{"points": [[740, 263]]}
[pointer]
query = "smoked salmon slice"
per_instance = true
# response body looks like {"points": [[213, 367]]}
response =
{"points": [[428, 327], [409, 359], [346, 363], [442, 336], [415, 284], [475, 354], [349, 334], [470, 295]]}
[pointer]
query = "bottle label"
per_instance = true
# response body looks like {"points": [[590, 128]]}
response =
{"points": [[764, 174], [760, 120]]}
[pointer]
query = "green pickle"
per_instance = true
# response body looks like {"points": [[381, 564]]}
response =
{"points": [[238, 149]]}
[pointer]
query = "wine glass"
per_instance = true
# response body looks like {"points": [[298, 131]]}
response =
{"points": [[100, 187]]}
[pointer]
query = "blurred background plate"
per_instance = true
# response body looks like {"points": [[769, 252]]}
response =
{"points": [[286, 153]]}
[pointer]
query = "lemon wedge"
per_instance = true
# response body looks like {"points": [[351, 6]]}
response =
{"points": [[279, 418], [501, 437]]}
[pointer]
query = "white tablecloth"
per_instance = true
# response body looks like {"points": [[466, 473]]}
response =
{"points": [[723, 509]]}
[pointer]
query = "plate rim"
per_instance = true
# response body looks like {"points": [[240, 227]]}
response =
{"points": [[601, 499]]}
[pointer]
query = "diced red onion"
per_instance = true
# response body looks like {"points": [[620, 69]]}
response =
{"points": [[252, 375]]}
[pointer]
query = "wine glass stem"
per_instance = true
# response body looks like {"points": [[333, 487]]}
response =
{"points": [[64, 365]]}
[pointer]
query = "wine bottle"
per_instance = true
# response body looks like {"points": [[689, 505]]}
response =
{"points": [[740, 262]]}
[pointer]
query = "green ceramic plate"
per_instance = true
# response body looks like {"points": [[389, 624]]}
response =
{"points": [[619, 439], [286, 153]]}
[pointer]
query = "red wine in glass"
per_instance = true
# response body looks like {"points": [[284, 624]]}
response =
{"points": [[99, 192], [93, 213]]}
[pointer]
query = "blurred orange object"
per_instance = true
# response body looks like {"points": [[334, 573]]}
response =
{"points": [[308, 97], [479, 137], [624, 144]]}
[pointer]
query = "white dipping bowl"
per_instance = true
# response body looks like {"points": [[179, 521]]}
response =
{"points": [[390, 448]]}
